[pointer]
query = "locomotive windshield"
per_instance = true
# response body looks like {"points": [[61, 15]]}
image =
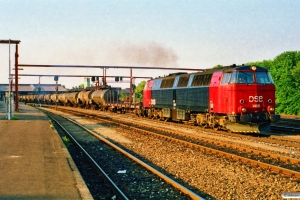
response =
{"points": [[264, 78], [242, 77]]}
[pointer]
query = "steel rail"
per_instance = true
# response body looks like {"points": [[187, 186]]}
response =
{"points": [[279, 170], [280, 138], [252, 162], [267, 140], [148, 167], [285, 128], [226, 145], [234, 147], [93, 162]]}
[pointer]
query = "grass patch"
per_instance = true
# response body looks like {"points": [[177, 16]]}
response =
{"points": [[14, 118], [66, 141]]}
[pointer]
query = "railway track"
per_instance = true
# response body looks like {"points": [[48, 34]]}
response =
{"points": [[273, 162], [284, 139], [290, 125], [204, 182], [137, 182], [109, 189], [274, 139]]}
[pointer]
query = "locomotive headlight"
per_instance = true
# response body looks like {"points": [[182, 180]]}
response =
{"points": [[244, 109], [242, 101], [253, 68], [271, 109], [270, 101]]}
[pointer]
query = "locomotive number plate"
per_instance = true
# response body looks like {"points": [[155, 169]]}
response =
{"points": [[256, 105]]}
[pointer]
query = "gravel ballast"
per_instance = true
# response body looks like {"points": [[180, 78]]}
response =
{"points": [[219, 177]]}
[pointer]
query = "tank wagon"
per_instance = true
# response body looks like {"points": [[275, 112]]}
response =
{"points": [[71, 99], [233, 98], [47, 99], [104, 99]]}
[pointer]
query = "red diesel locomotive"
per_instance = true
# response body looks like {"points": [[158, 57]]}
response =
{"points": [[234, 98]]}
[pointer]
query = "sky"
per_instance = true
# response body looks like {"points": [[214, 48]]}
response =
{"points": [[196, 34]]}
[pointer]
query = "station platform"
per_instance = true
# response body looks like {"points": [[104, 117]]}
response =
{"points": [[34, 162]]}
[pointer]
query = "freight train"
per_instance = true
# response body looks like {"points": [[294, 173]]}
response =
{"points": [[232, 98]]}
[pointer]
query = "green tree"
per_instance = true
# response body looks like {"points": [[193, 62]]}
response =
{"points": [[296, 72], [285, 74], [218, 67], [81, 85], [285, 70], [266, 63], [139, 90], [123, 95]]}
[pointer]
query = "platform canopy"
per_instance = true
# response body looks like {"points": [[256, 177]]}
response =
{"points": [[10, 41], [33, 88]]}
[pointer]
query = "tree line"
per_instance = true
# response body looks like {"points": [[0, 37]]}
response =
{"points": [[285, 70]]}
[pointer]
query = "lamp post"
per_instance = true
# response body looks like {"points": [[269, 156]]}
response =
{"points": [[9, 75], [10, 84], [16, 81], [56, 79]]}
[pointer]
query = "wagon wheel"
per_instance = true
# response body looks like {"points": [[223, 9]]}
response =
{"points": [[204, 125]]}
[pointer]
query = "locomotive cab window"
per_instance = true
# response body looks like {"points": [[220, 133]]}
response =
{"points": [[241, 77], [264, 78], [226, 78]]}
